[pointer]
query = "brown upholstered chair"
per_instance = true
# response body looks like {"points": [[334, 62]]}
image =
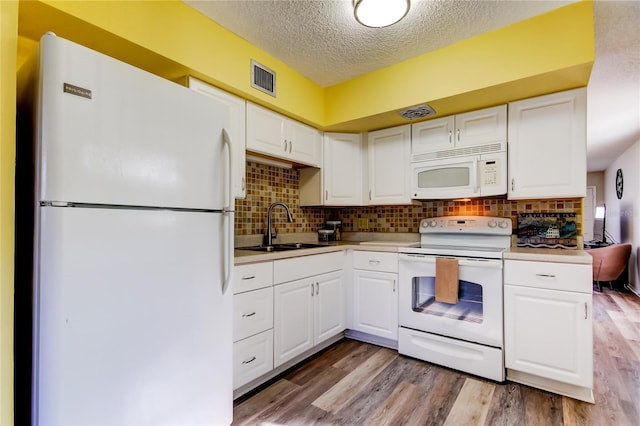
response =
{"points": [[609, 263]]}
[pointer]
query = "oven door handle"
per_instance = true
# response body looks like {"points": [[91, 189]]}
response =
{"points": [[468, 261]]}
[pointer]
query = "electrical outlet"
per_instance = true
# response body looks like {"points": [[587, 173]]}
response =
{"points": [[363, 223]]}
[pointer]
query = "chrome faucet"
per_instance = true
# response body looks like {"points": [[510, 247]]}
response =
{"points": [[270, 235]]}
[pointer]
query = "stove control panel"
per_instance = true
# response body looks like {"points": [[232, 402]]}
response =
{"points": [[466, 225]]}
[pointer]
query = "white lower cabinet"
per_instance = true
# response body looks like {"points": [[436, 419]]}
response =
{"points": [[252, 322], [308, 303], [293, 305], [548, 326], [252, 357], [375, 308], [307, 312], [375, 294]]}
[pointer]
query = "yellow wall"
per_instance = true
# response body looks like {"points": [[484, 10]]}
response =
{"points": [[171, 39], [543, 54], [8, 48], [547, 53]]}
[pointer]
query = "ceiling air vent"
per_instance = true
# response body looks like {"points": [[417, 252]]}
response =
{"points": [[418, 111], [263, 79]]}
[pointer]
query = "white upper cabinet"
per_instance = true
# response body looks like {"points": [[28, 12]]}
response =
{"points": [[482, 127], [275, 135], [305, 143], [236, 131], [342, 172], [341, 180], [389, 174], [547, 146]]}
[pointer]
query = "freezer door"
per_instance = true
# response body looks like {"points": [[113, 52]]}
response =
{"points": [[131, 323], [111, 133]]}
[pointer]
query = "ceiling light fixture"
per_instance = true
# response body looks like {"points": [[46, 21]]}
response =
{"points": [[380, 13]]}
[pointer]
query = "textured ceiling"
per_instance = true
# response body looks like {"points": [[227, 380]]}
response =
{"points": [[321, 40]]}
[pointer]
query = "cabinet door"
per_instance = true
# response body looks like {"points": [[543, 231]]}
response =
{"points": [[252, 313], [252, 357], [342, 169], [236, 130], [329, 306], [432, 136], [265, 132], [547, 146], [548, 333], [375, 308], [389, 161], [305, 143], [481, 127], [293, 319]]}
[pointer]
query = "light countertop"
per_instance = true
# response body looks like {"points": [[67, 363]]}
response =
{"points": [[248, 256], [548, 255]]}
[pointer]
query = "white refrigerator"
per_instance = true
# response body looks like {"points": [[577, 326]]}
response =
{"points": [[133, 247]]}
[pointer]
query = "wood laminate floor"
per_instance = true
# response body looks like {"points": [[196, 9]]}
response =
{"points": [[354, 383]]}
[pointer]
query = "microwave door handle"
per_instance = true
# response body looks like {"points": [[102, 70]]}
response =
{"points": [[474, 173]]}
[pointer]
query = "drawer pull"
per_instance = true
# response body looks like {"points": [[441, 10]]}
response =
{"points": [[248, 277], [374, 262], [586, 316], [546, 275], [247, 361], [250, 314]]}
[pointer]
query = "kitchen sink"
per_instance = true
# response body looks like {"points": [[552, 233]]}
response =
{"points": [[282, 247]]}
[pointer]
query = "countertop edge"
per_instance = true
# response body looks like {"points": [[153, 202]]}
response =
{"points": [[548, 255], [244, 257]]}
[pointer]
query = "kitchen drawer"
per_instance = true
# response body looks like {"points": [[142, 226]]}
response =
{"points": [[307, 266], [252, 313], [252, 277], [252, 357], [375, 261], [549, 275]]}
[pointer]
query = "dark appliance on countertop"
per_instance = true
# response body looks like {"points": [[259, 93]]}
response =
{"points": [[331, 231]]}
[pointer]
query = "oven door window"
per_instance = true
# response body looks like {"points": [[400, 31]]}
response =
{"points": [[468, 309]]}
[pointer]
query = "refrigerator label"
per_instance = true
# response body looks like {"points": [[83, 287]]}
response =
{"points": [[78, 91]]}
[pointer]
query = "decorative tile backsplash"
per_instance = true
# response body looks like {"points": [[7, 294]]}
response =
{"points": [[268, 184]]}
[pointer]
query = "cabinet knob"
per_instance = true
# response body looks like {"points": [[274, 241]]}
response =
{"points": [[250, 314], [247, 361]]}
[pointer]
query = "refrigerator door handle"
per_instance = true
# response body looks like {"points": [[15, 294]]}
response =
{"points": [[228, 214]]}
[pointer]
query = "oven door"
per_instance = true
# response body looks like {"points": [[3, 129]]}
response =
{"points": [[448, 178], [477, 317]]}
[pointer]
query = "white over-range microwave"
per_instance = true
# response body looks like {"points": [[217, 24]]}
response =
{"points": [[479, 171]]}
